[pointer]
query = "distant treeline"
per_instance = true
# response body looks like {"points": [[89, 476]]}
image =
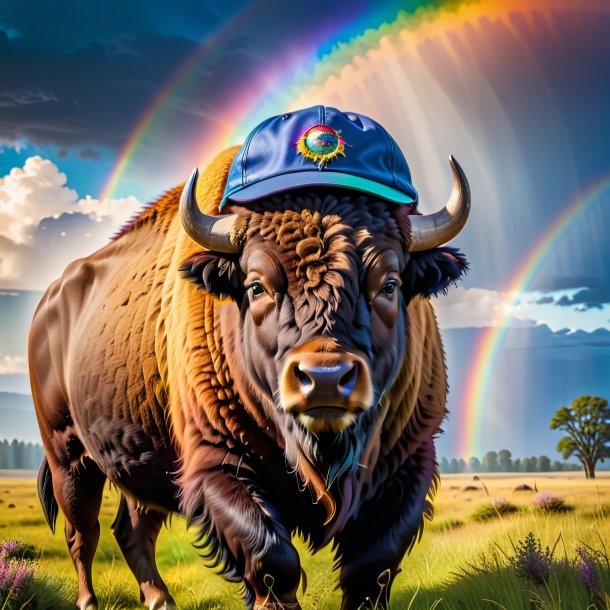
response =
{"points": [[17, 454], [502, 461]]}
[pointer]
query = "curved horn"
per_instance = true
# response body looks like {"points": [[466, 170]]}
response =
{"points": [[213, 232], [432, 230]]}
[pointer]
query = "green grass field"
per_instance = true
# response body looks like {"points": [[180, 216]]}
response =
{"points": [[461, 563]]}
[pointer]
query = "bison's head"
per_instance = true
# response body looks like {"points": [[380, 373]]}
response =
{"points": [[323, 280]]}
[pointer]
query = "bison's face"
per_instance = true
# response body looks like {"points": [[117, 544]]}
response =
{"points": [[323, 283], [322, 310]]}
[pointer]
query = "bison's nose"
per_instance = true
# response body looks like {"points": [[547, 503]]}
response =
{"points": [[339, 378], [322, 384]]}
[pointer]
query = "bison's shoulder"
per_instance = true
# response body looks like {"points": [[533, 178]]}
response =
{"points": [[159, 212]]}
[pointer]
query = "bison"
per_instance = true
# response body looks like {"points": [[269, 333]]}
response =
{"points": [[294, 384]]}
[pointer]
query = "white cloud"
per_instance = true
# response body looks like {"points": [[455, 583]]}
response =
{"points": [[10, 365], [478, 307], [121, 210], [38, 190], [30, 193], [44, 225], [472, 307]]}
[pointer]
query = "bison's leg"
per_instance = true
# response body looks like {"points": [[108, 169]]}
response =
{"points": [[136, 531], [372, 547], [247, 535], [78, 490]]}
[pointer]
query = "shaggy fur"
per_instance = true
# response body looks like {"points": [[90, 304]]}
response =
{"points": [[172, 392]]}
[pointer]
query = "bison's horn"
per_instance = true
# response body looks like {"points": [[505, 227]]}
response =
{"points": [[213, 232], [432, 230]]}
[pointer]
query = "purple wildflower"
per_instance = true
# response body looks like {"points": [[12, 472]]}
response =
{"points": [[22, 576], [531, 561], [15, 571], [9, 547], [587, 568], [5, 568], [15, 549], [549, 502], [14, 576]]}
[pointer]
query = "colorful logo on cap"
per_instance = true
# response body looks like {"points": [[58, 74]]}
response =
{"points": [[320, 143]]}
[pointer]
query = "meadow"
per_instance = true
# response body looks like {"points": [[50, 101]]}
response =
{"points": [[473, 555]]}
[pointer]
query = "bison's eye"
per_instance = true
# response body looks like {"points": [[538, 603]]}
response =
{"points": [[257, 288], [389, 287]]}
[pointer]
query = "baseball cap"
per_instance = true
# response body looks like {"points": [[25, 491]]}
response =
{"points": [[319, 146]]}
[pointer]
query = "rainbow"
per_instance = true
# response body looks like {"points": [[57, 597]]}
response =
{"points": [[478, 380], [244, 108], [165, 94]]}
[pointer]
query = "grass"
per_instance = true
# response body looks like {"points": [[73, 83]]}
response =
{"points": [[496, 507], [461, 563]]}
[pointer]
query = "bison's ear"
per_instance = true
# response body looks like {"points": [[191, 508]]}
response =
{"points": [[218, 274], [432, 271]]}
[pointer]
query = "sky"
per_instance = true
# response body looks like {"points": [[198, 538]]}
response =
{"points": [[103, 112]]}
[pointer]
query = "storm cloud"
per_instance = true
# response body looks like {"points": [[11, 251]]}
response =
{"points": [[91, 95], [585, 292], [87, 80], [589, 298]]}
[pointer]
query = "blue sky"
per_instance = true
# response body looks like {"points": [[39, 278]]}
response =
{"points": [[516, 90]]}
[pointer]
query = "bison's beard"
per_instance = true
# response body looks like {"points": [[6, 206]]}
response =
{"points": [[335, 456]]}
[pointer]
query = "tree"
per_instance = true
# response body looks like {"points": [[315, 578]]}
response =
{"points": [[505, 462], [544, 464], [490, 462], [474, 464], [587, 423], [15, 454], [4, 454], [444, 465]]}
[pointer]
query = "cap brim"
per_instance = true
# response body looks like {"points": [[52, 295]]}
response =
{"points": [[294, 180]]}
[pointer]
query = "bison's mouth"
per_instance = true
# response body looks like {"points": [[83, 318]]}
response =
{"points": [[326, 412], [327, 418]]}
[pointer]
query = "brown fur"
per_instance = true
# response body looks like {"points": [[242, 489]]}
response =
{"points": [[140, 375]]}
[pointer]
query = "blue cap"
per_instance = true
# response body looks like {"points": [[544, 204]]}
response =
{"points": [[319, 146]]}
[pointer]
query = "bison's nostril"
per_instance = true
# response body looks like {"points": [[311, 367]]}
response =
{"points": [[348, 380], [304, 379]]}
